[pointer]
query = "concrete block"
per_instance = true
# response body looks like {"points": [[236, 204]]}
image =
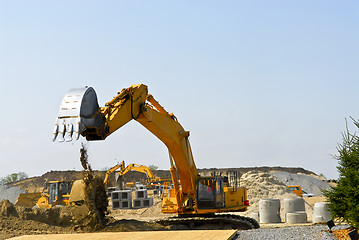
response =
{"points": [[110, 190], [116, 204], [115, 196], [126, 204], [141, 194], [137, 203], [147, 202], [126, 195]]}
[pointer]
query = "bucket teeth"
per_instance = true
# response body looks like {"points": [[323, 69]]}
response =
{"points": [[62, 130], [77, 130], [78, 111], [55, 132], [69, 132]]}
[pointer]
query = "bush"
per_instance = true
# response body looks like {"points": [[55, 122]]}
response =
{"points": [[344, 198], [13, 177]]}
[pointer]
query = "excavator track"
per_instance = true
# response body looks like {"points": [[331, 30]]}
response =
{"points": [[222, 221]]}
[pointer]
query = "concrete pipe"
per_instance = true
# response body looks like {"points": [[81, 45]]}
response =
{"points": [[293, 205], [296, 217], [321, 212], [269, 211]]}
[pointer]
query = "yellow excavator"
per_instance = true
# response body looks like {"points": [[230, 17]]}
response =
{"points": [[197, 199], [111, 170], [151, 177]]}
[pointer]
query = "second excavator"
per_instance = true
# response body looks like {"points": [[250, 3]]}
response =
{"points": [[196, 199]]}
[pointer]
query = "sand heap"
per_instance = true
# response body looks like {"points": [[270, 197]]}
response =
{"points": [[261, 185], [308, 183]]}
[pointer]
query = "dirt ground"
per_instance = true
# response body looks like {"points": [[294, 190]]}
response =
{"points": [[15, 221], [158, 235]]}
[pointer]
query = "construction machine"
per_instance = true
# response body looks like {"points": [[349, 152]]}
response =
{"points": [[151, 177], [111, 170], [197, 199], [58, 193]]}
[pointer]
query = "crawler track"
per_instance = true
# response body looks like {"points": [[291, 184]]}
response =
{"points": [[223, 221]]}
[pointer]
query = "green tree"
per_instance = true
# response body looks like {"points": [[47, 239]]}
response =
{"points": [[153, 167], [343, 200], [13, 177]]}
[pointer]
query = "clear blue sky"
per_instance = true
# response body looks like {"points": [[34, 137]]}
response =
{"points": [[258, 83]]}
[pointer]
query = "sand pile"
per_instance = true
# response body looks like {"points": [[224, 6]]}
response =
{"points": [[307, 183], [261, 185]]}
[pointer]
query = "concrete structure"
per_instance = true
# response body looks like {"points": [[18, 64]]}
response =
{"points": [[121, 199], [321, 212], [294, 210], [296, 217], [269, 211], [142, 202], [141, 194]]}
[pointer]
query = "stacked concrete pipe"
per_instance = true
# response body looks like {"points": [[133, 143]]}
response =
{"points": [[294, 210]]}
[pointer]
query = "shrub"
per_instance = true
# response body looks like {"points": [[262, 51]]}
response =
{"points": [[343, 200]]}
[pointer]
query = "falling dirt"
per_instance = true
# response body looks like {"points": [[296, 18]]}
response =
{"points": [[90, 214]]}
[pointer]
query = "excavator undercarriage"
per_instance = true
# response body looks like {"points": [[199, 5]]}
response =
{"points": [[210, 221]]}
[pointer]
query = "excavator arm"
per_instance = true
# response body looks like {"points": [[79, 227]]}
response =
{"points": [[111, 170], [137, 168], [80, 114]]}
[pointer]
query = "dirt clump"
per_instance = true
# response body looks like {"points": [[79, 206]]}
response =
{"points": [[90, 211]]}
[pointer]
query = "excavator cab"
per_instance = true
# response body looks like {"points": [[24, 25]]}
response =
{"points": [[210, 194], [59, 192]]}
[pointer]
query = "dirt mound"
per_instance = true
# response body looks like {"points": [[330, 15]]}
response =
{"points": [[308, 183], [17, 221], [261, 185]]}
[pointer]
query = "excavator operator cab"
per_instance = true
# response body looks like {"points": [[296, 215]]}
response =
{"points": [[210, 194], [59, 191]]}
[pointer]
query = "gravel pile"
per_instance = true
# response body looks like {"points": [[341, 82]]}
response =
{"points": [[10, 193], [262, 185], [307, 183], [297, 233]]}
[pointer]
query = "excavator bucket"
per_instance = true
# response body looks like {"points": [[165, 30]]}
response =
{"points": [[79, 112]]}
